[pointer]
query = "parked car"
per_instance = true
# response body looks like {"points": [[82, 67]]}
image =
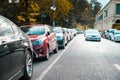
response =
{"points": [[61, 37], [80, 31], [115, 36], [93, 35], [71, 34], [15, 52], [74, 31], [43, 39], [103, 34], [108, 34], [67, 34]]}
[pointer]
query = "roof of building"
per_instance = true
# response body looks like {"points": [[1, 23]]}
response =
{"points": [[105, 6]]}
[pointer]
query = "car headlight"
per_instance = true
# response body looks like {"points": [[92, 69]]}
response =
{"points": [[37, 42], [88, 35]]}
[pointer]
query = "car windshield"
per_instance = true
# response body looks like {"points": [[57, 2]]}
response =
{"points": [[112, 30], [57, 30], [117, 32], [92, 31], [34, 30]]}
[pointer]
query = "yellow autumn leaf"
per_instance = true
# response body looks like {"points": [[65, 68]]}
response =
{"points": [[20, 18]]}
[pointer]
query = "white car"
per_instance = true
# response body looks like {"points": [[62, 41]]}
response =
{"points": [[115, 36], [93, 35]]}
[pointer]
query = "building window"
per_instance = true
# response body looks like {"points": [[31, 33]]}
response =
{"points": [[106, 13], [100, 17], [117, 8]]}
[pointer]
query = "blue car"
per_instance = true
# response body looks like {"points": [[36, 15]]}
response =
{"points": [[61, 37]]}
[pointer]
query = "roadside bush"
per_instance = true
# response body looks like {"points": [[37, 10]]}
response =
{"points": [[116, 26]]}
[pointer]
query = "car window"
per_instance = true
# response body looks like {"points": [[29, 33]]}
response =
{"points": [[48, 29], [33, 30], [5, 27], [15, 28], [57, 30], [117, 32]]}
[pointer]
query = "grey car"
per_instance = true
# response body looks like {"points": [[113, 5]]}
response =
{"points": [[15, 52]]}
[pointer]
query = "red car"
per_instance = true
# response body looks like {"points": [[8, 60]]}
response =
{"points": [[43, 39]]}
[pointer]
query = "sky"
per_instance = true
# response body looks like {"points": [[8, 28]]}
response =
{"points": [[103, 2]]}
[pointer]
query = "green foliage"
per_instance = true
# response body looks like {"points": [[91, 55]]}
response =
{"points": [[28, 11], [116, 26], [63, 7]]}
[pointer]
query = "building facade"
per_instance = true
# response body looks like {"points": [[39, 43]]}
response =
{"points": [[109, 15]]}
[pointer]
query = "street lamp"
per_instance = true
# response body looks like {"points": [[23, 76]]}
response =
{"points": [[67, 20], [53, 8], [13, 2], [43, 17]]}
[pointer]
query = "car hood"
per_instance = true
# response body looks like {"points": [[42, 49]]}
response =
{"points": [[117, 35], [35, 37], [92, 34]]}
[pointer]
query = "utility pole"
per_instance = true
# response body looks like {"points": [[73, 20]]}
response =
{"points": [[53, 8]]}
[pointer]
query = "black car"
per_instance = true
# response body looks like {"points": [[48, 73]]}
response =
{"points": [[15, 52]]}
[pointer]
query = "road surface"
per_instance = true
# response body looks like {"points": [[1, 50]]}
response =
{"points": [[81, 60]]}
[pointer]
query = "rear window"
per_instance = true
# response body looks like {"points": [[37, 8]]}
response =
{"points": [[34, 30], [57, 30]]}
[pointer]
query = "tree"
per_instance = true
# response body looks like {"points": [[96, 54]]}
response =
{"points": [[80, 12], [63, 7], [96, 6]]}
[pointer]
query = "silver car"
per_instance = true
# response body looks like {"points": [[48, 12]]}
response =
{"points": [[93, 35], [115, 36]]}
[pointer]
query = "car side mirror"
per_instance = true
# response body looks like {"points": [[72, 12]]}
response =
{"points": [[48, 33]]}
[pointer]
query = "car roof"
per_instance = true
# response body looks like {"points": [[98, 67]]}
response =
{"points": [[34, 25]]}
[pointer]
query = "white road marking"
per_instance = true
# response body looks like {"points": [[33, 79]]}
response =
{"points": [[53, 63], [117, 66]]}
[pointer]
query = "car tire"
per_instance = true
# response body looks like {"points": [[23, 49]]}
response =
{"points": [[63, 47], [114, 40], [28, 69], [56, 49], [47, 54]]}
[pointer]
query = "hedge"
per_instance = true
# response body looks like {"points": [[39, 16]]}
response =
{"points": [[116, 26]]}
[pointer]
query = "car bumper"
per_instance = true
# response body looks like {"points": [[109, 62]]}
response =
{"points": [[117, 39], [93, 38], [60, 43], [38, 51]]}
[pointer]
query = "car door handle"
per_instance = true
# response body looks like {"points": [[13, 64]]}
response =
{"points": [[4, 44], [21, 39]]}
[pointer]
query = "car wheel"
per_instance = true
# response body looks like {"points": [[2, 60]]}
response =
{"points": [[114, 40], [47, 54], [56, 49], [28, 70], [63, 47], [109, 38]]}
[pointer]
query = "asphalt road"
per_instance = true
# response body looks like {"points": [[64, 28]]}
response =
{"points": [[81, 60]]}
